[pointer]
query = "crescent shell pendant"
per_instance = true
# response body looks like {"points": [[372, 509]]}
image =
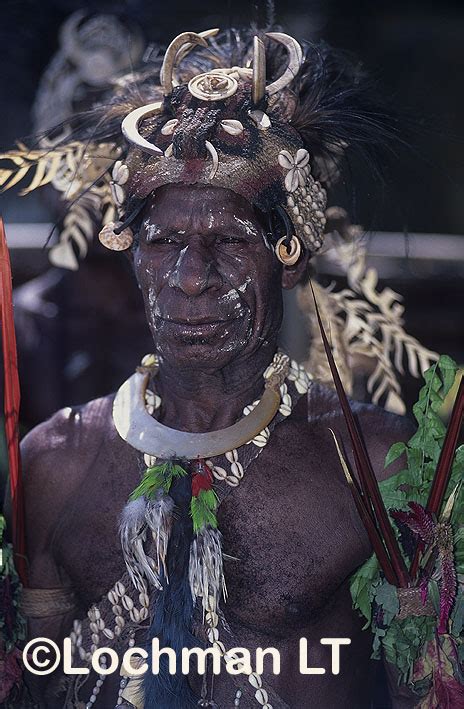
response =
{"points": [[135, 425]]}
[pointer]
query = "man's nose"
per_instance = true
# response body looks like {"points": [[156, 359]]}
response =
{"points": [[195, 270]]}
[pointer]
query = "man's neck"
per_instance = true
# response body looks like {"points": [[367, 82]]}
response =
{"points": [[208, 400]]}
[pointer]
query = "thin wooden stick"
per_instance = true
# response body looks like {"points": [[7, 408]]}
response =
{"points": [[366, 518], [443, 471], [364, 467]]}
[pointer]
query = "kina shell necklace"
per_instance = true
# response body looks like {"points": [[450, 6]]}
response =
{"points": [[215, 458]]}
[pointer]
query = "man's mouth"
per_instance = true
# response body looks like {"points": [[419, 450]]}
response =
{"points": [[195, 328]]}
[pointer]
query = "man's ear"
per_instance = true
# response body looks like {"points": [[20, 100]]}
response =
{"points": [[292, 275]]}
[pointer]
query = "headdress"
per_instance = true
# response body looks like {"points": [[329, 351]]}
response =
{"points": [[262, 116]]}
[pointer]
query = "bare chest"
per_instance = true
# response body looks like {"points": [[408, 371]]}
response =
{"points": [[288, 533]]}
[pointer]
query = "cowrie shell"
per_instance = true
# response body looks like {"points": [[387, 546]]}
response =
{"points": [[169, 127], [261, 696], [261, 119], [213, 634], [237, 469], [135, 615], [117, 193], [144, 600], [127, 603], [120, 588], [259, 441], [231, 126], [219, 472], [233, 480], [120, 173], [232, 456], [301, 386], [255, 680]]}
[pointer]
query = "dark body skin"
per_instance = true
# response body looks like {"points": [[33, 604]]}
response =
{"points": [[212, 292]]}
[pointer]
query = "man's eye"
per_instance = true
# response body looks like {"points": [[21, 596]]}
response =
{"points": [[230, 240], [160, 240]]}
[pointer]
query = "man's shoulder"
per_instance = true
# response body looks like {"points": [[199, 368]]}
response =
{"points": [[379, 428], [68, 441], [70, 426]]}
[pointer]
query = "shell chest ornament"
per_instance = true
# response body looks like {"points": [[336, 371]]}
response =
{"points": [[208, 461]]}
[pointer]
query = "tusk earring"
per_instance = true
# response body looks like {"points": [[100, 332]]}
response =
{"points": [[288, 255]]}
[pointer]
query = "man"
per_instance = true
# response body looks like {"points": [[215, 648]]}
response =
{"points": [[219, 200]]}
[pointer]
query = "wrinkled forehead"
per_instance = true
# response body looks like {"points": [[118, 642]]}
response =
{"points": [[200, 206]]}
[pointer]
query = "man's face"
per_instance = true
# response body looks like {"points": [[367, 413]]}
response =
{"points": [[210, 282]]}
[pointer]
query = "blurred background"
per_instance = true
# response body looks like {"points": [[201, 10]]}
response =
{"points": [[81, 333]]}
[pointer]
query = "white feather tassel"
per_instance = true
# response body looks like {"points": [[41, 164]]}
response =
{"points": [[206, 575]]}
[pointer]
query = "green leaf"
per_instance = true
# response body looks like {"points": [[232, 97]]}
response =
{"points": [[387, 597], [434, 594], [448, 369], [457, 616], [362, 587], [394, 453]]}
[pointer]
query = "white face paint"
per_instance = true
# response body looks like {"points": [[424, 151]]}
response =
{"points": [[244, 285], [151, 230], [229, 296], [251, 229]]}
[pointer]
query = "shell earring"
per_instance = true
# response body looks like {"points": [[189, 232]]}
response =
{"points": [[116, 238], [288, 255]]}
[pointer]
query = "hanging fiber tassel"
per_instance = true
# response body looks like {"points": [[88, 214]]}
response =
{"points": [[206, 575], [133, 533], [158, 515]]}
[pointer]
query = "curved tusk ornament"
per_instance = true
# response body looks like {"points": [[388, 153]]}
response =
{"points": [[259, 71], [130, 127], [135, 425], [295, 60], [214, 156], [170, 58], [187, 48]]}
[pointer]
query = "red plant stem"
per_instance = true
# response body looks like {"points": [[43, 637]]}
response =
{"points": [[364, 467], [11, 406], [443, 471]]}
